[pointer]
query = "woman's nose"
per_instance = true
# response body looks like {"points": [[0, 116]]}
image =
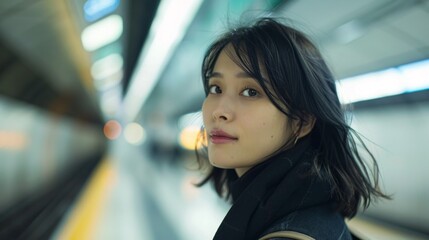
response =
{"points": [[223, 111]]}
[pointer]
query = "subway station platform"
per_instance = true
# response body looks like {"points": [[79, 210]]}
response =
{"points": [[132, 196]]}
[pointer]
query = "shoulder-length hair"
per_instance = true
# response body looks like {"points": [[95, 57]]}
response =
{"points": [[299, 84]]}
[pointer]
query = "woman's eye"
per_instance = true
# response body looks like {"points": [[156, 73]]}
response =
{"points": [[213, 89], [250, 92]]}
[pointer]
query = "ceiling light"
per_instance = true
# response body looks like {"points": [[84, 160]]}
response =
{"points": [[95, 9], [188, 137], [109, 82], [102, 32], [393, 81], [112, 129], [169, 26], [370, 86], [107, 66], [134, 133], [417, 76], [110, 101]]}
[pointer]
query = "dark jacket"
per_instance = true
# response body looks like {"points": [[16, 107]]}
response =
{"points": [[283, 193], [319, 222]]}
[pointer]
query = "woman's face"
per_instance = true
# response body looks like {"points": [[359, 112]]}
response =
{"points": [[242, 125]]}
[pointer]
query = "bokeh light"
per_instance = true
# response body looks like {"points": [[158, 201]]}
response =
{"points": [[12, 140], [112, 129], [134, 133], [188, 137]]}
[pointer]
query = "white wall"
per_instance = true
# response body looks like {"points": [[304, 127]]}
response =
{"points": [[402, 135]]}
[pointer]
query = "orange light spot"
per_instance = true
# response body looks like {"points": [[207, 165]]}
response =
{"points": [[112, 129], [188, 137], [12, 140]]}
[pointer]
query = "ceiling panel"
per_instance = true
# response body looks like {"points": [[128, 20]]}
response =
{"points": [[37, 34], [379, 49], [30, 32], [45, 37], [317, 16], [387, 33], [343, 60], [413, 24]]}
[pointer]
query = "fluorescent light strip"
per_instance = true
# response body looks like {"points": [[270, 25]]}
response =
{"points": [[168, 28], [107, 66], [393, 81], [110, 101], [109, 82], [101, 33], [417, 75]]}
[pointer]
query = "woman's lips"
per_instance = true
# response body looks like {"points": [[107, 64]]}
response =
{"points": [[219, 137]]}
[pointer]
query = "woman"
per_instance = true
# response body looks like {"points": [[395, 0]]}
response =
{"points": [[277, 138]]}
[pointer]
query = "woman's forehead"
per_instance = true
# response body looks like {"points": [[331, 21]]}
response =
{"points": [[241, 56]]}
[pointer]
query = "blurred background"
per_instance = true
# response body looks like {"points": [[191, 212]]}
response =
{"points": [[100, 103]]}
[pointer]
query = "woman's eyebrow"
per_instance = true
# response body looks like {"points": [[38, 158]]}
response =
{"points": [[243, 75], [239, 75], [215, 74]]}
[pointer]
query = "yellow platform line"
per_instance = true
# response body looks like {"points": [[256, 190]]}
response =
{"points": [[83, 219]]}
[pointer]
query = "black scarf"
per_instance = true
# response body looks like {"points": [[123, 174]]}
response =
{"points": [[272, 190]]}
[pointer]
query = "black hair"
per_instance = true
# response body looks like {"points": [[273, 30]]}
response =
{"points": [[300, 85]]}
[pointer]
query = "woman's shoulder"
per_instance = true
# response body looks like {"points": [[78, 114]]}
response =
{"points": [[320, 222]]}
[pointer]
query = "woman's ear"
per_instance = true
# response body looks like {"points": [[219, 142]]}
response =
{"points": [[307, 125]]}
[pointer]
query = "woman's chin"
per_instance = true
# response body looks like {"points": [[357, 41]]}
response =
{"points": [[221, 164]]}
